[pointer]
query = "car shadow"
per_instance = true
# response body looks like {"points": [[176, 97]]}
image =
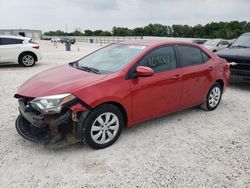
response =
{"points": [[3, 65], [238, 83], [13, 66]]}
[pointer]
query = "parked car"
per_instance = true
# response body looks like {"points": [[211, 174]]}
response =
{"points": [[216, 44], [71, 40], [18, 49], [200, 41], [92, 99], [238, 54]]}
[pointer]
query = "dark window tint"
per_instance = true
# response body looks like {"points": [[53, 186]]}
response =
{"points": [[190, 55], [224, 43], [8, 41], [160, 59], [205, 56]]}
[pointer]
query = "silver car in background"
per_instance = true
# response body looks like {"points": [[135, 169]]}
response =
{"points": [[215, 45]]}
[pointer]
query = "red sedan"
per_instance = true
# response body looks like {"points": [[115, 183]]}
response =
{"points": [[92, 99]]}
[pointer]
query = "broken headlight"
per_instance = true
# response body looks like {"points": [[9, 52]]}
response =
{"points": [[51, 104]]}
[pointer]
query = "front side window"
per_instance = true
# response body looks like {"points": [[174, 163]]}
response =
{"points": [[190, 55], [112, 58], [9, 41], [160, 59]]}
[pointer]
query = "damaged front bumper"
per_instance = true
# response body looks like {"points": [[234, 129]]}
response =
{"points": [[52, 129]]}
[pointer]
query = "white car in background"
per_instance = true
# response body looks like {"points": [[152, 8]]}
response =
{"points": [[18, 49], [216, 44]]}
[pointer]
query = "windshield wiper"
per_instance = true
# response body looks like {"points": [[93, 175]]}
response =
{"points": [[240, 46], [88, 69]]}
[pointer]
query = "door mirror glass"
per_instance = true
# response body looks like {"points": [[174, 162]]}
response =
{"points": [[142, 71]]}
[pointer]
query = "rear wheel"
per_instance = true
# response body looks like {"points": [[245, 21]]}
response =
{"points": [[213, 97], [27, 59], [102, 126]]}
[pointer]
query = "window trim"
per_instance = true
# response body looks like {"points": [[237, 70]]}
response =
{"points": [[3, 38], [130, 74], [201, 51]]}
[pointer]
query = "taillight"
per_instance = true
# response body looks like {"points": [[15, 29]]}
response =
{"points": [[37, 47]]}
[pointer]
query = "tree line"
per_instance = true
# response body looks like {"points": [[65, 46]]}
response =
{"points": [[226, 30]]}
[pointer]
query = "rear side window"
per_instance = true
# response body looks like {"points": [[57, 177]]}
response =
{"points": [[205, 57], [9, 41], [190, 55], [160, 59]]}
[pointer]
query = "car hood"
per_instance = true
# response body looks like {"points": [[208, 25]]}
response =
{"points": [[235, 53], [61, 79]]}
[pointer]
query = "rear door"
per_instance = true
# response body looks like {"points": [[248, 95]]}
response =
{"points": [[198, 73], [158, 94], [9, 49]]}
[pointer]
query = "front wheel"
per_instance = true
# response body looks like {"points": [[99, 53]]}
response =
{"points": [[27, 59], [213, 97], [102, 126]]}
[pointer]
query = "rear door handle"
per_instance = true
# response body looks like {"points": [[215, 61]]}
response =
{"points": [[210, 68], [176, 77]]}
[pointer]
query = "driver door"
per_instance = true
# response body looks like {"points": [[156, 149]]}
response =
{"points": [[158, 94]]}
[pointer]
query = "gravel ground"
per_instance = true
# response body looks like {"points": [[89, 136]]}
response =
{"points": [[192, 148]]}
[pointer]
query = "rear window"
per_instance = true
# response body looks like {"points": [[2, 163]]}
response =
{"points": [[9, 41], [32, 42], [190, 55]]}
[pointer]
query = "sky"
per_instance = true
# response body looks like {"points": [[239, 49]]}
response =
{"points": [[68, 15]]}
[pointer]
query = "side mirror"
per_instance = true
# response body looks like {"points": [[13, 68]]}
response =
{"points": [[142, 71]]}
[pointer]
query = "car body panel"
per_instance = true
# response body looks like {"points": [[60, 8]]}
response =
{"points": [[196, 81], [142, 98], [53, 81], [155, 95]]}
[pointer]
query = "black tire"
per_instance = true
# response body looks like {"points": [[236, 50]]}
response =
{"points": [[206, 105], [27, 59], [86, 126]]}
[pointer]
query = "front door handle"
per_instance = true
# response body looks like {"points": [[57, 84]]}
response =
{"points": [[176, 77]]}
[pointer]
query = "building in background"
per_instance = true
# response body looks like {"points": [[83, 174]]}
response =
{"points": [[30, 33]]}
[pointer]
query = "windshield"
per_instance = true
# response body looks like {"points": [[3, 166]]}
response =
{"points": [[111, 58], [211, 43], [242, 41]]}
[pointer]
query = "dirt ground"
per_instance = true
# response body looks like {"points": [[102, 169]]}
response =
{"points": [[192, 148]]}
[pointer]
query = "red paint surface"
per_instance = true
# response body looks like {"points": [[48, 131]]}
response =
{"points": [[142, 98]]}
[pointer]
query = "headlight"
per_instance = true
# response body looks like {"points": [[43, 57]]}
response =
{"points": [[51, 104]]}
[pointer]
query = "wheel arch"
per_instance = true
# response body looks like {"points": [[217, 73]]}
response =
{"points": [[221, 82], [120, 107], [28, 52]]}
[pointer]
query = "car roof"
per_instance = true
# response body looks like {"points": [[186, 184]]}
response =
{"points": [[149, 43], [14, 37]]}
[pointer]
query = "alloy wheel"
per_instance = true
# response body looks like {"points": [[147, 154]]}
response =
{"points": [[28, 60], [105, 128], [214, 97]]}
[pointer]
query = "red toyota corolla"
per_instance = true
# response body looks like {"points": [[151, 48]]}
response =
{"points": [[92, 99]]}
